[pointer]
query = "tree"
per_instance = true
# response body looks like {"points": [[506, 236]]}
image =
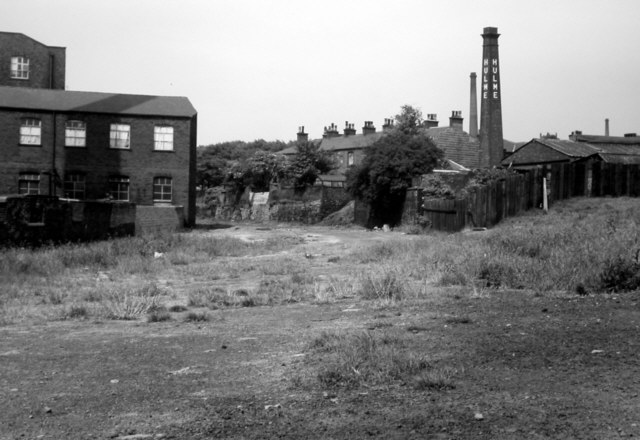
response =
{"points": [[308, 163], [389, 165], [262, 169]]}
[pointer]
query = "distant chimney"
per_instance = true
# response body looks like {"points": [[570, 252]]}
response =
{"points": [[431, 121], [574, 135], [302, 136], [388, 124], [491, 140], [349, 130], [473, 108], [630, 135], [331, 131], [368, 128], [455, 121], [606, 127]]}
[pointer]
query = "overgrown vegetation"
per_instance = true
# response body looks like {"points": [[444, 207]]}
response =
{"points": [[390, 164], [583, 246], [369, 358]]}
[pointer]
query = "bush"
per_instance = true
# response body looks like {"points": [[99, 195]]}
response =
{"points": [[497, 274], [620, 274]]}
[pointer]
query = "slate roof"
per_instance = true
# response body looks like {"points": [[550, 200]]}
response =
{"points": [[456, 144], [94, 102], [353, 142], [569, 148]]}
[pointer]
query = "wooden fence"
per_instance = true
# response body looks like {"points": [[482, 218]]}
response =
{"points": [[487, 205]]}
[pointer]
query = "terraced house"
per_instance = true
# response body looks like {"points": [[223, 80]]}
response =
{"points": [[90, 145]]}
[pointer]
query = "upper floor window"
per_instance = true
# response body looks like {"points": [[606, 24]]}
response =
{"points": [[30, 131], [75, 134], [19, 68], [350, 158], [74, 185], [119, 188], [163, 138], [29, 183], [162, 189], [120, 136]]}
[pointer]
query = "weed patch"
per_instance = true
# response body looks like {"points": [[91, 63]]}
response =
{"points": [[352, 360]]}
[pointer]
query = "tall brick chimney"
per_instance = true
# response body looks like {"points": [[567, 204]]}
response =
{"points": [[473, 108], [302, 136], [606, 127], [491, 141]]}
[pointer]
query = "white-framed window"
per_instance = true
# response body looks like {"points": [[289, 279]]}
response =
{"points": [[75, 185], [120, 136], [163, 138], [30, 131], [75, 134], [349, 158], [19, 68], [119, 188], [162, 189], [29, 183]]}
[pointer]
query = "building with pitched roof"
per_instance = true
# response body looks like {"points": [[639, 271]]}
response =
{"points": [[547, 151], [349, 148], [92, 145]]}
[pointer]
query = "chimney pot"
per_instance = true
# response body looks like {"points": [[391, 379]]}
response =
{"points": [[630, 135]]}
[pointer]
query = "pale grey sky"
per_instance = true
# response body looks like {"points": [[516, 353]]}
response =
{"points": [[261, 68]]}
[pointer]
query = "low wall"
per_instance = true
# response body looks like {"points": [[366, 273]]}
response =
{"points": [[158, 219]]}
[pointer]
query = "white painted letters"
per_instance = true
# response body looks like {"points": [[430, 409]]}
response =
{"points": [[495, 74]]}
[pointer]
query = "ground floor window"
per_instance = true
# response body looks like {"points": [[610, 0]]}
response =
{"points": [[162, 187], [29, 183], [74, 186], [119, 188]]}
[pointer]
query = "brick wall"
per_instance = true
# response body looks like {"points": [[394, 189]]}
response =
{"points": [[97, 161], [40, 62], [156, 219]]}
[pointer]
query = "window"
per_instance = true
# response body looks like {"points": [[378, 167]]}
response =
{"points": [[19, 68], [163, 138], [119, 188], [74, 185], [30, 132], [350, 158], [75, 134], [29, 183], [162, 189], [119, 137]]}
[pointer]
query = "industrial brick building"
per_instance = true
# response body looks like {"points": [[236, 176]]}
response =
{"points": [[25, 62], [91, 145]]}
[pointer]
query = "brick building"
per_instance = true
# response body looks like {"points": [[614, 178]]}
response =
{"points": [[91, 145], [349, 148], [25, 62]]}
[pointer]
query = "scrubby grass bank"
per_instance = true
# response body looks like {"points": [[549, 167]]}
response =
{"points": [[582, 246]]}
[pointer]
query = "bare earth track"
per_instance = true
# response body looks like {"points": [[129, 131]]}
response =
{"points": [[527, 366]]}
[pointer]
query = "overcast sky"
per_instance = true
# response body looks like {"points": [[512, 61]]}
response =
{"points": [[260, 68]]}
